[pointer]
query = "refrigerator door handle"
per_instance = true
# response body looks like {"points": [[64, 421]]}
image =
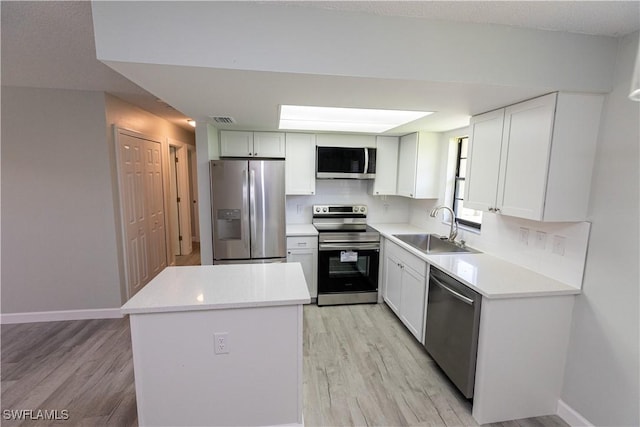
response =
{"points": [[252, 207], [245, 198]]}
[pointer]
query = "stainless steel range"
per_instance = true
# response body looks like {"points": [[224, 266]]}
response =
{"points": [[348, 255]]}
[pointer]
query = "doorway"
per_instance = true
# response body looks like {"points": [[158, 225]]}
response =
{"points": [[183, 200], [142, 206]]}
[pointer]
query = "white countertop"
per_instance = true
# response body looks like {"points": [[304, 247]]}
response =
{"points": [[490, 276], [301, 230], [210, 287]]}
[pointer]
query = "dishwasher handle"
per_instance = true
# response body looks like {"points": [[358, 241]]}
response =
{"points": [[455, 294]]}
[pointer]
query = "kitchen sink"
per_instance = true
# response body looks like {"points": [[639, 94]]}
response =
{"points": [[433, 244]]}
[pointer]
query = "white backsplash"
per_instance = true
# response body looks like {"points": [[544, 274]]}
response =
{"points": [[501, 237], [382, 209]]}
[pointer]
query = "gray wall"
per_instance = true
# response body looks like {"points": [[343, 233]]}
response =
{"points": [[59, 197], [602, 372], [58, 228]]}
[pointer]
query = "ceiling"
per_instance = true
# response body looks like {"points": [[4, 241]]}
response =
{"points": [[51, 45]]}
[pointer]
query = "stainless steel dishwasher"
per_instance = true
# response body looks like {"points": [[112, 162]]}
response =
{"points": [[451, 335]]}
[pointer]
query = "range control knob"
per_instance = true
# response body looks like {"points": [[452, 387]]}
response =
{"points": [[324, 209], [317, 209]]}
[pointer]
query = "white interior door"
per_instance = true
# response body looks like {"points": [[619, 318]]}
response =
{"points": [[155, 194], [136, 239], [142, 208]]}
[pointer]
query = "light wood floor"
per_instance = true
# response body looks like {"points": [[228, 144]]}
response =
{"points": [[192, 259], [361, 367]]}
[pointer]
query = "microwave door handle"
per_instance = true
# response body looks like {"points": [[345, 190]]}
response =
{"points": [[366, 160]]}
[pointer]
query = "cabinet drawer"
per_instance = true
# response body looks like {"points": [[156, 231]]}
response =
{"points": [[406, 257], [302, 242]]}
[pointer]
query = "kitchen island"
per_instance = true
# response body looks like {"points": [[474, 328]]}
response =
{"points": [[219, 345]]}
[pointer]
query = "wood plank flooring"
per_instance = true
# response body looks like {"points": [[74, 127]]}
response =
{"points": [[361, 367], [192, 259]]}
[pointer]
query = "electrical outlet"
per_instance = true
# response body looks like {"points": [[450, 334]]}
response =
{"points": [[558, 245], [541, 240], [221, 342], [299, 209], [524, 236]]}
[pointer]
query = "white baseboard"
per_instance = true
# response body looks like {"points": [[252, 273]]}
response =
{"points": [[571, 416], [57, 316]]}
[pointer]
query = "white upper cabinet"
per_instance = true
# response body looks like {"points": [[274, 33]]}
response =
{"points": [[236, 144], [252, 144], [300, 164], [269, 144], [419, 166], [386, 178], [484, 160], [539, 166]]}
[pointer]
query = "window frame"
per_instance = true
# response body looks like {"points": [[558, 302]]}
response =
{"points": [[456, 179]]}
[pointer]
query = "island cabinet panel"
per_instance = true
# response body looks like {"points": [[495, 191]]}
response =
{"points": [[181, 381], [534, 159], [300, 164]]}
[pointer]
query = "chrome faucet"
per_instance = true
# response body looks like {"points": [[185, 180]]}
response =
{"points": [[453, 232]]}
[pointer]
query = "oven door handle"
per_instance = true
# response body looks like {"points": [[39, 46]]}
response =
{"points": [[349, 247]]}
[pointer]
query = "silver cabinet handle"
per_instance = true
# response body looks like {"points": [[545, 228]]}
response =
{"points": [[491, 209], [455, 294]]}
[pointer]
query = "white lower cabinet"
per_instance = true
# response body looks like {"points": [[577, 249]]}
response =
{"points": [[405, 286], [305, 251]]}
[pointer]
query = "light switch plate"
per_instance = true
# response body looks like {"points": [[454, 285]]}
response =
{"points": [[541, 240], [558, 245]]}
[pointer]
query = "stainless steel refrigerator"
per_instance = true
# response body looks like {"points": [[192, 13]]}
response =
{"points": [[248, 211]]}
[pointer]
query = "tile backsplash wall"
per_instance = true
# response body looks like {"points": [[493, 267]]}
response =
{"points": [[554, 249], [382, 209]]}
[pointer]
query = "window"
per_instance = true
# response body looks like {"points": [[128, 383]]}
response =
{"points": [[465, 216]]}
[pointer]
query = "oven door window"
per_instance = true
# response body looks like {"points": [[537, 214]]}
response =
{"points": [[348, 271]]}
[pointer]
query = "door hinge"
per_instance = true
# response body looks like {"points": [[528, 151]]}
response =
{"points": [[180, 238], [178, 199], [176, 160]]}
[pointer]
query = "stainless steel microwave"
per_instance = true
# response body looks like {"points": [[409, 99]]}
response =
{"points": [[345, 162]]}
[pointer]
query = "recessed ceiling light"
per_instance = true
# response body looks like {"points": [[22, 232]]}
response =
{"points": [[298, 117]]}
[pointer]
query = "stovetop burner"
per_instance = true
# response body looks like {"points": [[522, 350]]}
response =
{"points": [[343, 223]]}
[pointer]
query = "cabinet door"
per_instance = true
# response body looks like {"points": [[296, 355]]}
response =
{"points": [[300, 163], [269, 144], [412, 301], [386, 166], [392, 283], [407, 156], [483, 163], [308, 259], [528, 128], [236, 144]]}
